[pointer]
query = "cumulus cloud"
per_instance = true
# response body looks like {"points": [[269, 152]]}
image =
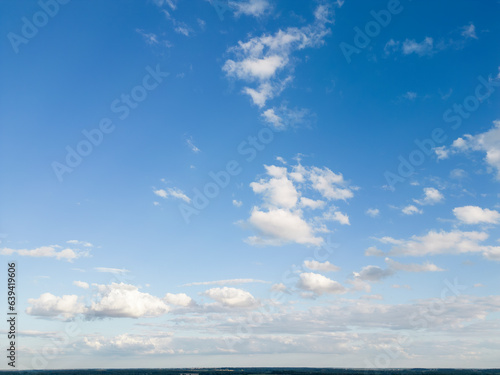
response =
{"points": [[476, 215], [319, 284], [231, 297], [126, 301], [314, 265], [180, 299], [49, 305], [281, 219], [278, 226]]}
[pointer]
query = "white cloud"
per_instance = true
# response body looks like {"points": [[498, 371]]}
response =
{"points": [[48, 252], [153, 39], [411, 210], [337, 216], [423, 48], [373, 273], [231, 297], [227, 282], [48, 305], [441, 152], [192, 146], [281, 219], [314, 265], [278, 190], [329, 184], [272, 118], [319, 284], [283, 117], [111, 270], [311, 203], [180, 299], [458, 173], [280, 287], [431, 197], [487, 142], [81, 243], [172, 192], [433, 243], [278, 226], [373, 212], [397, 286], [237, 203], [266, 59], [255, 8], [426, 267], [410, 95], [469, 31], [126, 301], [476, 215], [81, 284]]}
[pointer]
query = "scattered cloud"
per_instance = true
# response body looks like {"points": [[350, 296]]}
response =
{"points": [[255, 8], [266, 62], [373, 212], [81, 284], [431, 197], [476, 215], [469, 31], [53, 251], [410, 95], [231, 297], [180, 299], [280, 219], [428, 46], [314, 265], [226, 282], [111, 270], [411, 210], [434, 243], [487, 142], [125, 301], [172, 192], [281, 118], [50, 306], [192, 146], [319, 284]]}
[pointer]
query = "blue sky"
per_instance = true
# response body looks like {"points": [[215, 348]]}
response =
{"points": [[252, 182]]}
